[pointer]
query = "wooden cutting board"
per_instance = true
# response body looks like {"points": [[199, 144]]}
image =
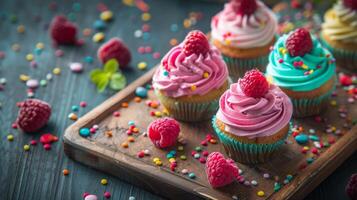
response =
{"points": [[107, 154]]}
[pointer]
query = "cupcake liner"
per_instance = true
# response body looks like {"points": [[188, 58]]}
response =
{"points": [[189, 111], [238, 66], [344, 58], [313, 106], [244, 152]]}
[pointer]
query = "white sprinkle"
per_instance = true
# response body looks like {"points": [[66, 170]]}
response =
{"points": [[266, 175], [147, 152], [254, 182], [138, 34], [76, 67], [184, 171], [32, 83], [317, 144]]}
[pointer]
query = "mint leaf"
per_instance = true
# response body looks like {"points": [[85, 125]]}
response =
{"points": [[111, 66], [117, 81], [102, 84], [97, 75]]}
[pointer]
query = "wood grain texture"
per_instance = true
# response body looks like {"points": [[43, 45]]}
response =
{"points": [[38, 174]]}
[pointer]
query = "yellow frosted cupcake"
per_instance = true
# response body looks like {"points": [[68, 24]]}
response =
{"points": [[191, 78], [339, 33]]}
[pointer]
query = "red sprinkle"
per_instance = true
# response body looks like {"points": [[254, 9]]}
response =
{"points": [[33, 142], [47, 147], [205, 153], [107, 195], [314, 150], [141, 154], [116, 114], [202, 160]]}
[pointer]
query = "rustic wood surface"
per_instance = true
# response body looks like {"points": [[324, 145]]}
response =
{"points": [[107, 154], [38, 174]]}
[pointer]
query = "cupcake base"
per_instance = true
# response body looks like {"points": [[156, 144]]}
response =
{"points": [[194, 108], [250, 151]]}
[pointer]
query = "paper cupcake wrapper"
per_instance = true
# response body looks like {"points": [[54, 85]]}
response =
{"points": [[189, 111], [310, 107], [238, 66], [344, 58], [244, 152]]}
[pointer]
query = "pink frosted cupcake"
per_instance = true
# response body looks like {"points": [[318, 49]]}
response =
{"points": [[253, 119], [191, 78], [244, 32]]}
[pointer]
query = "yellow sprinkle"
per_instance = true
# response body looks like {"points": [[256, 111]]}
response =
{"points": [[104, 181], [158, 114], [205, 75], [228, 42], [15, 47], [333, 103], [260, 193], [142, 65], [281, 49], [29, 57], [171, 160], [106, 15], [311, 71], [98, 37], [304, 66], [158, 163], [333, 128], [173, 41], [21, 29], [24, 77], [26, 147], [10, 137], [193, 87], [156, 159], [284, 51], [165, 112], [186, 23], [128, 2], [146, 17], [57, 71], [306, 148], [40, 45]]}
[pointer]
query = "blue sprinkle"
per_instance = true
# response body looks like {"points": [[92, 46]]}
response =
{"points": [[192, 175], [84, 132], [75, 108], [309, 160], [131, 123], [88, 59], [174, 27], [99, 25], [314, 137], [169, 155], [38, 51], [141, 92], [146, 35], [166, 73], [301, 139], [71, 17], [173, 152]]}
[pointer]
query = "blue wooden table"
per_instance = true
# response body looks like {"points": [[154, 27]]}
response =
{"points": [[37, 174]]}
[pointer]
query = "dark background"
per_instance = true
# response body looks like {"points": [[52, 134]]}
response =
{"points": [[37, 174]]}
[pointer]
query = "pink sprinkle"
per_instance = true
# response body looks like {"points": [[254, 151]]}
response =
{"points": [[205, 153], [148, 49], [129, 132], [83, 104], [193, 153], [156, 55], [281, 60], [85, 194], [107, 195], [14, 126], [92, 130], [204, 143], [141, 154], [33, 142], [47, 147], [314, 150], [59, 53], [116, 114], [141, 50], [145, 28], [202, 160]]}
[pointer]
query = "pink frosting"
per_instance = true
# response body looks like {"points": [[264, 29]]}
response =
{"points": [[186, 72], [254, 117], [244, 31]]}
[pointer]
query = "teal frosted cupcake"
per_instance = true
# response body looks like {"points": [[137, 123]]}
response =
{"points": [[304, 70], [253, 119], [244, 31]]}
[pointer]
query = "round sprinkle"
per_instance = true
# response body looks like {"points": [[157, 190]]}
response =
{"points": [[91, 197], [26, 147], [106, 15], [21, 29], [141, 92], [29, 57], [254, 182], [74, 108], [147, 152], [193, 87], [40, 45], [131, 198], [192, 175], [47, 147], [184, 171], [260, 193], [32, 83], [125, 145], [83, 104], [84, 132], [76, 67], [107, 195], [156, 55], [266, 175], [98, 37], [146, 17], [173, 42], [142, 65], [72, 116], [196, 155], [116, 114], [104, 181], [59, 53], [180, 148], [138, 34], [183, 157], [57, 71], [10, 137], [65, 172]]}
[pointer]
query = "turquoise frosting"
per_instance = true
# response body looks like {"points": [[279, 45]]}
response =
{"points": [[286, 71]]}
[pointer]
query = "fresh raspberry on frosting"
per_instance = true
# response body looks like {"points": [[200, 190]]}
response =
{"points": [[220, 171], [116, 49], [164, 132], [196, 43], [63, 31], [350, 4], [33, 115], [299, 42], [254, 84], [351, 187], [245, 7]]}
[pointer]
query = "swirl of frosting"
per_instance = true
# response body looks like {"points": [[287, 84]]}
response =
{"points": [[298, 73], [341, 24], [254, 117], [244, 31], [181, 75]]}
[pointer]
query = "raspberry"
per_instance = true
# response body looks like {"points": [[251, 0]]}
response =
{"points": [[33, 115], [254, 84], [244, 7], [114, 48], [164, 132], [299, 42], [351, 187], [350, 4], [220, 171], [63, 31], [196, 43]]}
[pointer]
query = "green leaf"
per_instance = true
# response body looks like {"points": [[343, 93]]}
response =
{"points": [[97, 75], [102, 84], [111, 66], [117, 81]]}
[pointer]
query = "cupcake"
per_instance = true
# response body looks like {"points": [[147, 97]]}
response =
{"points": [[191, 78], [253, 119], [304, 70], [339, 33], [244, 32]]}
